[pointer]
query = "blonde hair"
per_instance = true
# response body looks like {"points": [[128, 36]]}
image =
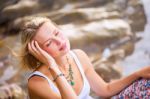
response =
{"points": [[28, 31]]}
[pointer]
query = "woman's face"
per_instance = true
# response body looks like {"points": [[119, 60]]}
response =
{"points": [[52, 40]]}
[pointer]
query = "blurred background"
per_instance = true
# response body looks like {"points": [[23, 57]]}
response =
{"points": [[114, 34]]}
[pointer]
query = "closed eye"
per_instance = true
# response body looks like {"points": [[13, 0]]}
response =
{"points": [[56, 33], [49, 43]]}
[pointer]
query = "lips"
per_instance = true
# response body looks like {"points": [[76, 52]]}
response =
{"points": [[62, 47]]}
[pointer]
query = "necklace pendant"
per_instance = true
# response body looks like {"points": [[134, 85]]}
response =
{"points": [[72, 83], [70, 75]]}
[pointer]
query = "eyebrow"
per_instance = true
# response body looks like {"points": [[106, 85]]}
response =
{"points": [[46, 41], [49, 38]]}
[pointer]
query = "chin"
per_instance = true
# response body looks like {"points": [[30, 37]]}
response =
{"points": [[66, 51]]}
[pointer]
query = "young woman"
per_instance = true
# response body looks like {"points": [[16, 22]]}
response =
{"points": [[61, 73]]}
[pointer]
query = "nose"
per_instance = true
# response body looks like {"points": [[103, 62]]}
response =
{"points": [[57, 40]]}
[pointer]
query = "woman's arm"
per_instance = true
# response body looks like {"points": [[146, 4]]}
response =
{"points": [[116, 86], [40, 89], [64, 87], [99, 86]]}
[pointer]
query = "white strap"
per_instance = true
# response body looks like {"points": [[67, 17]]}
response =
{"points": [[77, 62]]}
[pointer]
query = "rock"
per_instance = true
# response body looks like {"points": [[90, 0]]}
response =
{"points": [[77, 16], [95, 3], [128, 48], [134, 12], [2, 30], [126, 43], [1, 65], [102, 25], [102, 31], [108, 72], [8, 73], [5, 3], [12, 91], [89, 3], [1, 43], [131, 11], [99, 32], [112, 57], [113, 28], [25, 7], [82, 15]]}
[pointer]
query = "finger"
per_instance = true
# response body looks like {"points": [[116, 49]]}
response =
{"points": [[31, 49], [38, 47], [45, 56], [36, 52], [44, 53]]}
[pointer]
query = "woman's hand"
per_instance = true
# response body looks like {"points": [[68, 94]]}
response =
{"points": [[41, 55], [144, 72]]}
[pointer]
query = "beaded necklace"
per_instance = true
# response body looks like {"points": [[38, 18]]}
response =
{"points": [[70, 75]]}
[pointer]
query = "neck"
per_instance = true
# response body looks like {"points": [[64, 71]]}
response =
{"points": [[61, 61]]}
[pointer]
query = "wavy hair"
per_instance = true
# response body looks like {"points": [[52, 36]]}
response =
{"points": [[28, 31]]}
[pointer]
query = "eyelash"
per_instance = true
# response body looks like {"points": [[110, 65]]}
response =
{"points": [[56, 33], [48, 43]]}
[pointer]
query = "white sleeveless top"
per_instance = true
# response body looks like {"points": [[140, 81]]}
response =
{"points": [[85, 91]]}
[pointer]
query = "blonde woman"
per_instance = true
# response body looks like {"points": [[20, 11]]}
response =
{"points": [[61, 73]]}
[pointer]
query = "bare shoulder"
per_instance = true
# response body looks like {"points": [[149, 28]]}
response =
{"points": [[39, 87], [80, 52], [34, 82]]}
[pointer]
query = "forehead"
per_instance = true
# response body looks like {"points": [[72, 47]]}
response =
{"points": [[44, 32]]}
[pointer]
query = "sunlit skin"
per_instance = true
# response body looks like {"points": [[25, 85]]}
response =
{"points": [[51, 47], [51, 39]]}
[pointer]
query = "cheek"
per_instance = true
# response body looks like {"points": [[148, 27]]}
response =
{"points": [[62, 37], [50, 51]]}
